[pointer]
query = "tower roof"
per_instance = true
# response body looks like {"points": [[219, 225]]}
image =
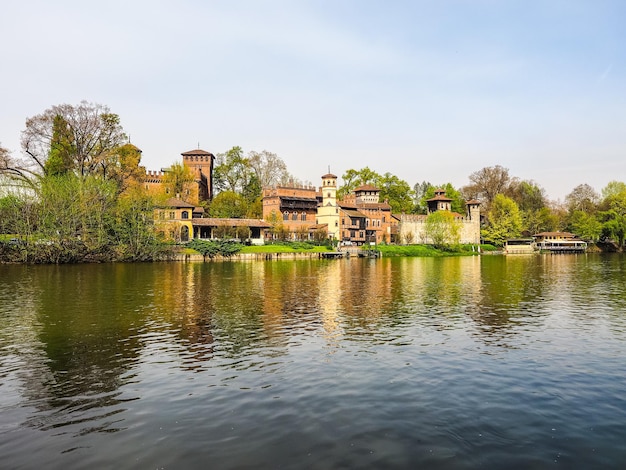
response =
{"points": [[197, 152]]}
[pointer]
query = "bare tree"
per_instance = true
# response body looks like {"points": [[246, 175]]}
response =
{"points": [[487, 183], [88, 133], [268, 167], [582, 198]]}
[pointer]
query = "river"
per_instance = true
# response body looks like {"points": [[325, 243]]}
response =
{"points": [[440, 363]]}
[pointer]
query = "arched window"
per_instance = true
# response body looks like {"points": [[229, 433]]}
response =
{"points": [[285, 215], [185, 215]]}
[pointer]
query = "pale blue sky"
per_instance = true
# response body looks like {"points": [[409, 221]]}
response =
{"points": [[424, 90]]}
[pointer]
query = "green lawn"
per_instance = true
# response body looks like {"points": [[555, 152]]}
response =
{"points": [[283, 249]]}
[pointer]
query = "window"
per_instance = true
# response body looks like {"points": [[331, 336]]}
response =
{"points": [[286, 215], [303, 216], [294, 216], [172, 215], [185, 215]]}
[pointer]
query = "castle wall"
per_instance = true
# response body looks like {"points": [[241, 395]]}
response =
{"points": [[413, 229]]}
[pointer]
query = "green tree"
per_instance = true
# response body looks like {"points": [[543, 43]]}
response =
{"points": [[586, 225], [61, 154], [352, 179], [228, 204], [419, 200], [133, 235], [614, 216], [397, 192], [124, 167], [443, 229], [177, 179], [504, 220], [232, 171], [456, 205]]}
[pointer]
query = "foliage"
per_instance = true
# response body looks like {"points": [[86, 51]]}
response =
{"points": [[177, 180], [80, 137], [504, 220], [586, 226], [487, 183], [443, 229], [228, 204], [528, 195], [394, 190], [419, 196], [269, 169], [232, 171], [212, 248], [582, 198]]}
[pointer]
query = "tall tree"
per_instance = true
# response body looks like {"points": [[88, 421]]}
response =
{"points": [[397, 192], [232, 171], [583, 198], [504, 220], [352, 179], [528, 195], [419, 201], [268, 168], [487, 183], [89, 132], [177, 180]]}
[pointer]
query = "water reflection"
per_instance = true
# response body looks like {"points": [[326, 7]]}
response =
{"points": [[91, 352]]}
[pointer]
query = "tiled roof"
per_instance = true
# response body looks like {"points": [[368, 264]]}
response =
{"points": [[329, 175], [366, 187], [219, 222], [196, 152], [176, 202], [439, 198]]}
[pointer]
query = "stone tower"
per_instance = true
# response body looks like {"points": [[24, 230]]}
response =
{"points": [[328, 212], [201, 162]]}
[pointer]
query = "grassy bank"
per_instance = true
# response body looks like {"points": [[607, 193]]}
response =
{"points": [[429, 250], [286, 248]]}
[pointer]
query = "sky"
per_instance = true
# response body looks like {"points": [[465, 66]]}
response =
{"points": [[425, 90]]}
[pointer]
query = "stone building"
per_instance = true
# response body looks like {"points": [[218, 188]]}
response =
{"points": [[412, 227], [291, 210], [201, 164]]}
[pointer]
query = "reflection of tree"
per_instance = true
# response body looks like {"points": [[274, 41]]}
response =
{"points": [[88, 336], [509, 285]]}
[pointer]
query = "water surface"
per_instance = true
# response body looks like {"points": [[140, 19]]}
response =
{"points": [[452, 363]]}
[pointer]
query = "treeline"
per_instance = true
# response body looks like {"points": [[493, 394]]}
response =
{"points": [[77, 194], [510, 207]]}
